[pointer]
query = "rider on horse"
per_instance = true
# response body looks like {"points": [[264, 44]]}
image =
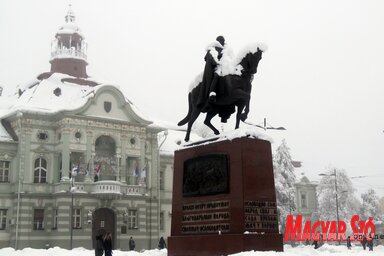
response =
{"points": [[210, 75]]}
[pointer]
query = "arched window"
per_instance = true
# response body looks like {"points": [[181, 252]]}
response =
{"points": [[105, 160], [40, 171]]}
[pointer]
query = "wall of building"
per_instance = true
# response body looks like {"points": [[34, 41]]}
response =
{"points": [[147, 199]]}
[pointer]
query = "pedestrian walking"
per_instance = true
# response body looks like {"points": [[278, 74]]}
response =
{"points": [[162, 243], [132, 244], [107, 242], [349, 245], [99, 248], [370, 243], [364, 242]]}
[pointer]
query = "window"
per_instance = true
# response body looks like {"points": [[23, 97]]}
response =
{"points": [[4, 171], [76, 218], [132, 219], [57, 91], [55, 218], [3, 219], [40, 171], [303, 201], [133, 170], [38, 219], [161, 221], [78, 135], [42, 136]]}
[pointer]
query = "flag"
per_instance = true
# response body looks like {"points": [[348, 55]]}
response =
{"points": [[87, 169], [97, 169], [75, 169], [144, 172]]}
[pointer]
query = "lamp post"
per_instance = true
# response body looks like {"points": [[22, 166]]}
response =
{"points": [[266, 126], [158, 183], [72, 189], [336, 198]]}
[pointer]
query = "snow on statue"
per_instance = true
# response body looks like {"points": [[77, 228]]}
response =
{"points": [[225, 84]]}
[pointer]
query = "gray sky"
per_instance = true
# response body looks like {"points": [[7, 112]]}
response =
{"points": [[322, 77]]}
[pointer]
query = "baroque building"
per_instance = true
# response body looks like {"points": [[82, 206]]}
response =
{"points": [[78, 159], [306, 198]]}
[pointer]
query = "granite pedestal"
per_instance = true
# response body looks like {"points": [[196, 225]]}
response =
{"points": [[224, 199]]}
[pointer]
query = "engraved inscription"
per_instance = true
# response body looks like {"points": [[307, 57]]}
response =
{"points": [[208, 228], [260, 215], [206, 217], [212, 205]]}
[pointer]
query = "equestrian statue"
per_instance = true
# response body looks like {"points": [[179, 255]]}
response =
{"points": [[225, 84]]}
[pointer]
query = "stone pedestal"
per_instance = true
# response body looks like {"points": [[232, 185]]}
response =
{"points": [[224, 199]]}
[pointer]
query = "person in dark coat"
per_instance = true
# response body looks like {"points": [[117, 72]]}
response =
{"points": [[99, 249], [210, 77], [132, 244], [162, 243], [315, 243], [107, 242], [349, 245], [370, 243], [364, 242]]}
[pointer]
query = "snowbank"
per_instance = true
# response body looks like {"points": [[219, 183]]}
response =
{"points": [[325, 250]]}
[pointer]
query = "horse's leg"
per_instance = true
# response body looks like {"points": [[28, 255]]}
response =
{"points": [[244, 102], [195, 114], [208, 123], [240, 109], [244, 115]]}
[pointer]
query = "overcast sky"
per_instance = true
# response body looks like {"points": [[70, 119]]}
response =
{"points": [[322, 77]]}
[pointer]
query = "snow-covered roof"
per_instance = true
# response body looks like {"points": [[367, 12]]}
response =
{"points": [[57, 93], [4, 136], [5, 104], [70, 28]]}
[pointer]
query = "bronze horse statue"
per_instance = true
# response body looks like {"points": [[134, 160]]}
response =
{"points": [[233, 91]]}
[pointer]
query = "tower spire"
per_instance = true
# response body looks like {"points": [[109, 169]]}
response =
{"points": [[70, 17], [69, 49]]}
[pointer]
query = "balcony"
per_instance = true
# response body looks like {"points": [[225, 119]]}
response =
{"points": [[109, 187], [68, 53], [105, 189]]}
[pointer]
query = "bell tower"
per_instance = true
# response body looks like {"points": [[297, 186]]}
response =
{"points": [[68, 49]]}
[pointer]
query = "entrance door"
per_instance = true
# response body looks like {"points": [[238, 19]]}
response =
{"points": [[104, 220]]}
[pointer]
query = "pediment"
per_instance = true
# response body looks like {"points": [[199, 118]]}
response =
{"points": [[42, 149], [110, 103]]}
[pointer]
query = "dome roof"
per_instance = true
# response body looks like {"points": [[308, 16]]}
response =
{"points": [[70, 26], [304, 180]]}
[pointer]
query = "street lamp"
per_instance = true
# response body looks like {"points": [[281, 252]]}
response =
{"points": [[72, 189], [266, 126], [159, 182], [337, 200]]}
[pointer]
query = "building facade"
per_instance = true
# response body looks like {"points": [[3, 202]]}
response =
{"points": [[78, 159], [306, 198]]}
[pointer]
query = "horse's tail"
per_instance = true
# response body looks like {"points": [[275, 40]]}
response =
{"points": [[186, 119]]}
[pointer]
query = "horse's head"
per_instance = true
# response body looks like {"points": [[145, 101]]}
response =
{"points": [[250, 62]]}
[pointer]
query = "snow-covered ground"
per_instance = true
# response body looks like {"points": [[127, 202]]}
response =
{"points": [[325, 250]]}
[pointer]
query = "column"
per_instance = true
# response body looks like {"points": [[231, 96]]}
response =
{"points": [[89, 156], [65, 154], [123, 154]]}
